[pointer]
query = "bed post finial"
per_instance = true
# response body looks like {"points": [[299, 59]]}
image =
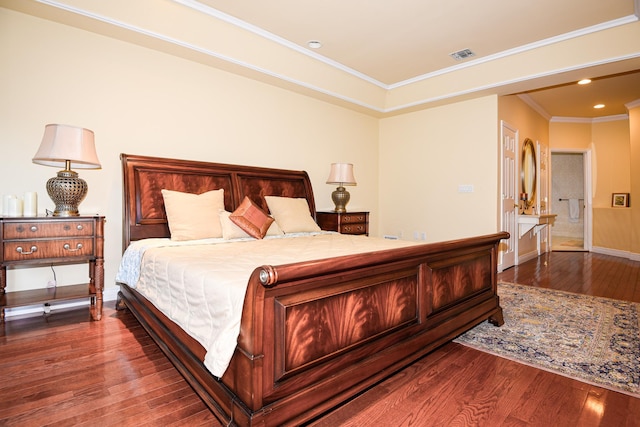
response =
{"points": [[268, 275]]}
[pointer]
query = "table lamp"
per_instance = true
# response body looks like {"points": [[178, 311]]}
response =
{"points": [[341, 174], [67, 146]]}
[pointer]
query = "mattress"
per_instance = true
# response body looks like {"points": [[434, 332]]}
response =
{"points": [[200, 285]]}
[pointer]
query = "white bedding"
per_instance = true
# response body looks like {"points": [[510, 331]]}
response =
{"points": [[200, 285]]}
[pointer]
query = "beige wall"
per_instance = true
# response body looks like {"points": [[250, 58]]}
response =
{"points": [[425, 156], [141, 101], [529, 124], [634, 132], [609, 144], [613, 162], [611, 229]]}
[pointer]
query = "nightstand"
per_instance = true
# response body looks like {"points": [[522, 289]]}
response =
{"points": [[44, 240], [344, 223]]}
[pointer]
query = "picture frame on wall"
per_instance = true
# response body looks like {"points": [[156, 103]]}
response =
{"points": [[620, 200]]}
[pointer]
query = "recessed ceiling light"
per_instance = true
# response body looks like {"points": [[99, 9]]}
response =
{"points": [[598, 106], [584, 82], [314, 44]]}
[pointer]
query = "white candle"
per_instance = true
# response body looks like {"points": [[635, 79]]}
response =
{"points": [[15, 207], [30, 204], [6, 199]]}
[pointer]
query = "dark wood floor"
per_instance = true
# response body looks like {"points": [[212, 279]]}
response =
{"points": [[67, 370]]}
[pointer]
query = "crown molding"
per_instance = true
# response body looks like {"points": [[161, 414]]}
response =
{"points": [[533, 104], [589, 120], [633, 104]]}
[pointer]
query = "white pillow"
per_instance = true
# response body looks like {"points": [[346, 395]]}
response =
{"points": [[232, 231], [193, 216], [229, 229], [291, 214]]}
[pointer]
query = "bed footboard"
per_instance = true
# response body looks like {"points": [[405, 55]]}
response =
{"points": [[314, 334]]}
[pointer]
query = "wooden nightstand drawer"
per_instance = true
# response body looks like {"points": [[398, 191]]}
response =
{"points": [[348, 218], [23, 250], [32, 229], [353, 228]]}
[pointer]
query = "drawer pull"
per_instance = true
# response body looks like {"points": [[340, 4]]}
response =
{"points": [[34, 228], [68, 247], [19, 249], [79, 227]]}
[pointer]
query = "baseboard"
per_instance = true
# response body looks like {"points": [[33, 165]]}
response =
{"points": [[616, 252], [109, 294], [527, 257]]}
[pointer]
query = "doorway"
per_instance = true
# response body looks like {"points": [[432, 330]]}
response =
{"points": [[571, 200]]}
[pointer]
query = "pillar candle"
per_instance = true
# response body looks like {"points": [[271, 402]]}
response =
{"points": [[6, 198], [15, 207], [30, 207]]}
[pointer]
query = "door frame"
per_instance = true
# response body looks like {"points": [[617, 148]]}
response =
{"points": [[588, 193]]}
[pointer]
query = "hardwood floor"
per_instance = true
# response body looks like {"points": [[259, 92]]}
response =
{"points": [[580, 272], [70, 371], [67, 370]]}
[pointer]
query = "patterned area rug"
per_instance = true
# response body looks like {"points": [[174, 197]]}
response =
{"points": [[591, 339]]}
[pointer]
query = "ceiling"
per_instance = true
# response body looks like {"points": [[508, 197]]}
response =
{"points": [[392, 43], [383, 57]]}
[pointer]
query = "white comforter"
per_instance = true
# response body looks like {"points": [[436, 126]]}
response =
{"points": [[200, 285]]}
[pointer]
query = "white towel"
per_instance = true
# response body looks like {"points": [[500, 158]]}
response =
{"points": [[574, 210]]}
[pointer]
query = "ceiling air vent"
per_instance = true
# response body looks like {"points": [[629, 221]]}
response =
{"points": [[462, 54]]}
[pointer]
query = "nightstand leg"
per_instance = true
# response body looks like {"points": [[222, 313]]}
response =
{"points": [[3, 279], [3, 284], [96, 272]]}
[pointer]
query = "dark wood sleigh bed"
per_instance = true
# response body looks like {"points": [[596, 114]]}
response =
{"points": [[447, 288]]}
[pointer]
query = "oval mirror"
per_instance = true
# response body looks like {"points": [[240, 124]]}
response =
{"points": [[528, 171]]}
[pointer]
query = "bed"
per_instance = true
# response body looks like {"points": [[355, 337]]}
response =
{"points": [[409, 300]]}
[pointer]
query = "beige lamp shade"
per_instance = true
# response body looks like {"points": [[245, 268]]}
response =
{"points": [[341, 174], [62, 143], [66, 147]]}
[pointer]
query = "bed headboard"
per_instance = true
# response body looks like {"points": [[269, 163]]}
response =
{"points": [[144, 177]]}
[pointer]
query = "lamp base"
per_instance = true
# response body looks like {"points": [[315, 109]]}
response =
{"points": [[67, 190], [340, 198]]}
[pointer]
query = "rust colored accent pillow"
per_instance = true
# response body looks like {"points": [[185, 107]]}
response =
{"points": [[251, 219]]}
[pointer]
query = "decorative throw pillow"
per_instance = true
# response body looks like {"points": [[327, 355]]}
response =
{"points": [[232, 231], [250, 218], [291, 214], [193, 216]]}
